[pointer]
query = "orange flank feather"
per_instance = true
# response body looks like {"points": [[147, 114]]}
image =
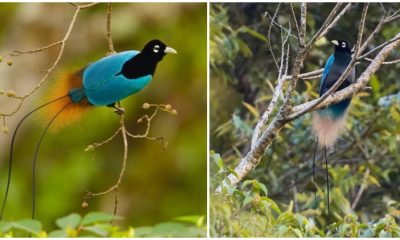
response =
{"points": [[60, 87]]}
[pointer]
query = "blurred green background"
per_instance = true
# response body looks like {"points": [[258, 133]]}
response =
{"points": [[159, 184], [365, 157]]}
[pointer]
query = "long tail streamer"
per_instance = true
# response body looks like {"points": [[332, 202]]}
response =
{"points": [[35, 159], [315, 183], [327, 186], [10, 161]]}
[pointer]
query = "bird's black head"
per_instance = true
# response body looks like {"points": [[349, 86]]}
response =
{"points": [[156, 50], [341, 46]]}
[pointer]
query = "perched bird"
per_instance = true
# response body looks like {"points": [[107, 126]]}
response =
{"points": [[328, 122], [102, 83]]}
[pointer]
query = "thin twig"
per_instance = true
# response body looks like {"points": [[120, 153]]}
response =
{"points": [[334, 22], [295, 21], [385, 63], [269, 35], [328, 24], [125, 133], [109, 36], [123, 169], [361, 190]]}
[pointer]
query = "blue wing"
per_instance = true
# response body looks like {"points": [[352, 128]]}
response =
{"points": [[103, 85], [97, 73], [326, 70]]}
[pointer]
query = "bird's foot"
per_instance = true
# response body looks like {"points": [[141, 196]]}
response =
{"points": [[119, 110]]}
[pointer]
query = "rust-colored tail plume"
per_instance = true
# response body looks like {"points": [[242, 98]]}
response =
{"points": [[60, 87]]}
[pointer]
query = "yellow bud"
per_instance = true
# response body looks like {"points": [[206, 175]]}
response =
{"points": [[131, 232], [85, 205], [42, 234], [89, 148], [9, 63], [10, 93], [146, 106], [174, 112], [168, 107], [5, 130]]}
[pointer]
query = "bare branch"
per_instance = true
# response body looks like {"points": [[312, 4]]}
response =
{"points": [[303, 24], [385, 63], [298, 63], [361, 190], [295, 21], [123, 169], [321, 32], [109, 37], [308, 75], [277, 91], [269, 36], [379, 47], [125, 133], [334, 22]]}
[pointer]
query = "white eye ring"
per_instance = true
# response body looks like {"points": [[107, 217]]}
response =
{"points": [[156, 48], [343, 44]]}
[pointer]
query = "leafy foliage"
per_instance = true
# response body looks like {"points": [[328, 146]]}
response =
{"points": [[363, 165], [97, 224], [248, 211]]}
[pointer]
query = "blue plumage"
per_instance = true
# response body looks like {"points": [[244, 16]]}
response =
{"points": [[328, 65], [329, 121], [333, 70], [104, 86]]}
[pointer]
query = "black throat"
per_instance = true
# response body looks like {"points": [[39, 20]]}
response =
{"points": [[343, 57], [139, 66]]}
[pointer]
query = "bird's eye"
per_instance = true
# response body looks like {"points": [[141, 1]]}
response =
{"points": [[156, 48], [343, 44]]}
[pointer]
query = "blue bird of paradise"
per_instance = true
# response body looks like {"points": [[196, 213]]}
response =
{"points": [[328, 123], [102, 83]]}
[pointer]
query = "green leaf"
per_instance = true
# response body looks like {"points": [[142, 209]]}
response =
{"points": [[373, 180], [247, 182], [102, 230], [272, 204], [98, 217], [262, 187], [247, 200], [168, 229], [58, 234], [28, 225], [253, 33], [374, 81], [72, 221], [5, 226], [195, 219], [297, 232], [143, 231], [252, 109]]}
